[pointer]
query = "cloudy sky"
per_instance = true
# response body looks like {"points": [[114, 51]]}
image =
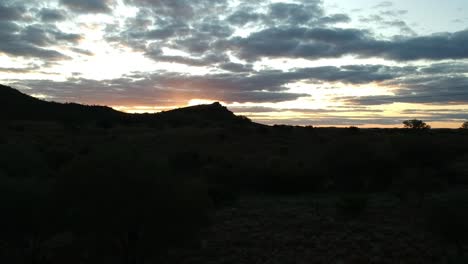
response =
{"points": [[303, 62]]}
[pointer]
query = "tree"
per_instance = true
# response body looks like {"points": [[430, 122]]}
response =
{"points": [[415, 124], [464, 125]]}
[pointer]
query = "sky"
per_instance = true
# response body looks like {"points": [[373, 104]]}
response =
{"points": [[300, 62]]}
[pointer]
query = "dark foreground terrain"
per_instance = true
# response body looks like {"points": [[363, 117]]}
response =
{"points": [[83, 184], [307, 229]]}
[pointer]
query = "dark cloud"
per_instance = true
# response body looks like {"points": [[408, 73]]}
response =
{"points": [[236, 67], [314, 43], [295, 14], [180, 9], [426, 89], [445, 68], [11, 11], [33, 41], [243, 17], [82, 51], [334, 19], [46, 36], [296, 42], [240, 86], [372, 19], [87, 6], [154, 89], [52, 15]]}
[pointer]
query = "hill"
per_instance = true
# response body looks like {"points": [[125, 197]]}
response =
{"points": [[15, 105]]}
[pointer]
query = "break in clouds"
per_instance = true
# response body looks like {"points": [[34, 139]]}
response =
{"points": [[236, 52]]}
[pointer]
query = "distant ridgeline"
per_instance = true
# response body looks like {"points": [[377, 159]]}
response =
{"points": [[15, 105]]}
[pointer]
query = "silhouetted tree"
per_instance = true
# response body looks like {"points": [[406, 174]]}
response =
{"points": [[464, 125], [415, 124]]}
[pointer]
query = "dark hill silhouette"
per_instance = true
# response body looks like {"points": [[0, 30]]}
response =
{"points": [[200, 115], [15, 105], [18, 106]]}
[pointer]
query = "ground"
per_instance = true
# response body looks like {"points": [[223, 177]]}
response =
{"points": [[307, 230]]}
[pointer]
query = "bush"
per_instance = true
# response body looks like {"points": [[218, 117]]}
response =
{"points": [[464, 125], [416, 124]]}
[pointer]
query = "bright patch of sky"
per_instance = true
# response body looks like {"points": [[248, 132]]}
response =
{"points": [[422, 16]]}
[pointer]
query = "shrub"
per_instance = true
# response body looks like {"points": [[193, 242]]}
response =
{"points": [[464, 125], [416, 124]]}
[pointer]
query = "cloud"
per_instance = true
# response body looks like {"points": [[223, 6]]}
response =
{"points": [[424, 89], [87, 6], [262, 109], [243, 17], [46, 36], [445, 68], [160, 89], [232, 86], [10, 12], [33, 41], [52, 15], [295, 14], [437, 115], [334, 19], [82, 51], [384, 4], [401, 25], [315, 43], [20, 70], [180, 9]]}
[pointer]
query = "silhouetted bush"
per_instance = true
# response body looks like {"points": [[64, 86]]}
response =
{"points": [[464, 125], [353, 130], [416, 124]]}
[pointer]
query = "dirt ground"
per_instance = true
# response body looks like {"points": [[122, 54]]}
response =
{"points": [[307, 230]]}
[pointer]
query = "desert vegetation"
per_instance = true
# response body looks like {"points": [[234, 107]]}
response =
{"points": [[200, 184]]}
